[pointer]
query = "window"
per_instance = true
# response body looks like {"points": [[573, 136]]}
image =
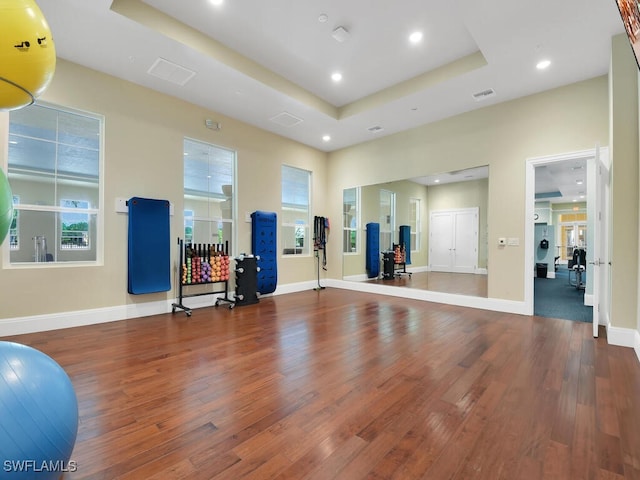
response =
{"points": [[387, 219], [209, 177], [351, 219], [75, 226], [295, 210], [414, 223], [188, 226], [54, 169], [14, 239]]}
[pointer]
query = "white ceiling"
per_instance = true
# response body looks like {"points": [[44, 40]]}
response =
{"points": [[564, 181], [256, 59]]}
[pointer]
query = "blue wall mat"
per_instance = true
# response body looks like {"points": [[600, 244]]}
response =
{"points": [[264, 245], [149, 246], [405, 238], [372, 254]]}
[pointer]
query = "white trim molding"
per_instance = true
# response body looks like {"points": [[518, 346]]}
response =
{"points": [[624, 337]]}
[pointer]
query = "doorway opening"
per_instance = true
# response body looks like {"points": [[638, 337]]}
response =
{"points": [[563, 237]]}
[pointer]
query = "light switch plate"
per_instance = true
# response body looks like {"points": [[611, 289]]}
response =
{"points": [[121, 205]]}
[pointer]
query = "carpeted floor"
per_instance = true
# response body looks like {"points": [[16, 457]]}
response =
{"points": [[555, 298]]}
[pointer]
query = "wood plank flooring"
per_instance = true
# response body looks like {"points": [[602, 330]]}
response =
{"points": [[342, 385]]}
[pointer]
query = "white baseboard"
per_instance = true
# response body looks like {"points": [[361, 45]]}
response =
{"points": [[508, 306], [624, 337], [55, 321]]}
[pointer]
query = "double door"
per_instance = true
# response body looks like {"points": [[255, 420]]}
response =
{"points": [[453, 240]]}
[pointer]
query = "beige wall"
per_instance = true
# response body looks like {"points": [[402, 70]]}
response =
{"points": [[144, 133], [502, 136], [623, 77]]}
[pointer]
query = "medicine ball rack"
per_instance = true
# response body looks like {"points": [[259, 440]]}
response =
{"points": [[203, 264]]}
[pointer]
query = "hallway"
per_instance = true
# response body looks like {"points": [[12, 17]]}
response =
{"points": [[557, 298]]}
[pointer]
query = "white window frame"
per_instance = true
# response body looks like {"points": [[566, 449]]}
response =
{"points": [[305, 249], [98, 212], [74, 210], [215, 222], [354, 225], [16, 216], [416, 227], [387, 234]]}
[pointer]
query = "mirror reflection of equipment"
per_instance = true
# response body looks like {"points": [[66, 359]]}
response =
{"points": [[473, 285]]}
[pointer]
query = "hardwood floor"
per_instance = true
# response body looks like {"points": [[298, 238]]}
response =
{"points": [[458, 283], [339, 384]]}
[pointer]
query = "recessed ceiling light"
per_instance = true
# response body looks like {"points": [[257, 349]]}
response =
{"points": [[323, 18], [579, 182], [543, 64], [326, 138], [437, 181], [415, 37], [336, 77], [216, 2]]}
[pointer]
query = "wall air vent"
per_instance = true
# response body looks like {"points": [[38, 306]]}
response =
{"points": [[483, 95], [375, 129], [171, 72]]}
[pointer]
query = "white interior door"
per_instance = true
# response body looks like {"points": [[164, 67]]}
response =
{"points": [[465, 249], [453, 240], [597, 185], [440, 241]]}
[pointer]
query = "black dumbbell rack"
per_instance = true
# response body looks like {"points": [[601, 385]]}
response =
{"points": [[202, 253], [247, 279]]}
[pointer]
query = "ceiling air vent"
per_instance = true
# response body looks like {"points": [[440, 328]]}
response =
{"points": [[286, 119], [171, 72], [483, 95], [375, 129]]}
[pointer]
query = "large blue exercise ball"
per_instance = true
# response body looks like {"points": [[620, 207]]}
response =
{"points": [[38, 415]]}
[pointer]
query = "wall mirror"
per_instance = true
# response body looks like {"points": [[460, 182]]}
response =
{"points": [[431, 232]]}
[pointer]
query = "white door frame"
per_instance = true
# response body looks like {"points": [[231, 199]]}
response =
{"points": [[530, 183]]}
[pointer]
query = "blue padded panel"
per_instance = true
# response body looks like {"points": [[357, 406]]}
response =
{"points": [[405, 238], [372, 254], [264, 245], [149, 256]]}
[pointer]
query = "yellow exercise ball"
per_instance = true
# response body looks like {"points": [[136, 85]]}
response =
{"points": [[27, 53]]}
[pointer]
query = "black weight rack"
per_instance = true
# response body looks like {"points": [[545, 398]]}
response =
{"points": [[394, 262], [204, 254], [247, 279]]}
